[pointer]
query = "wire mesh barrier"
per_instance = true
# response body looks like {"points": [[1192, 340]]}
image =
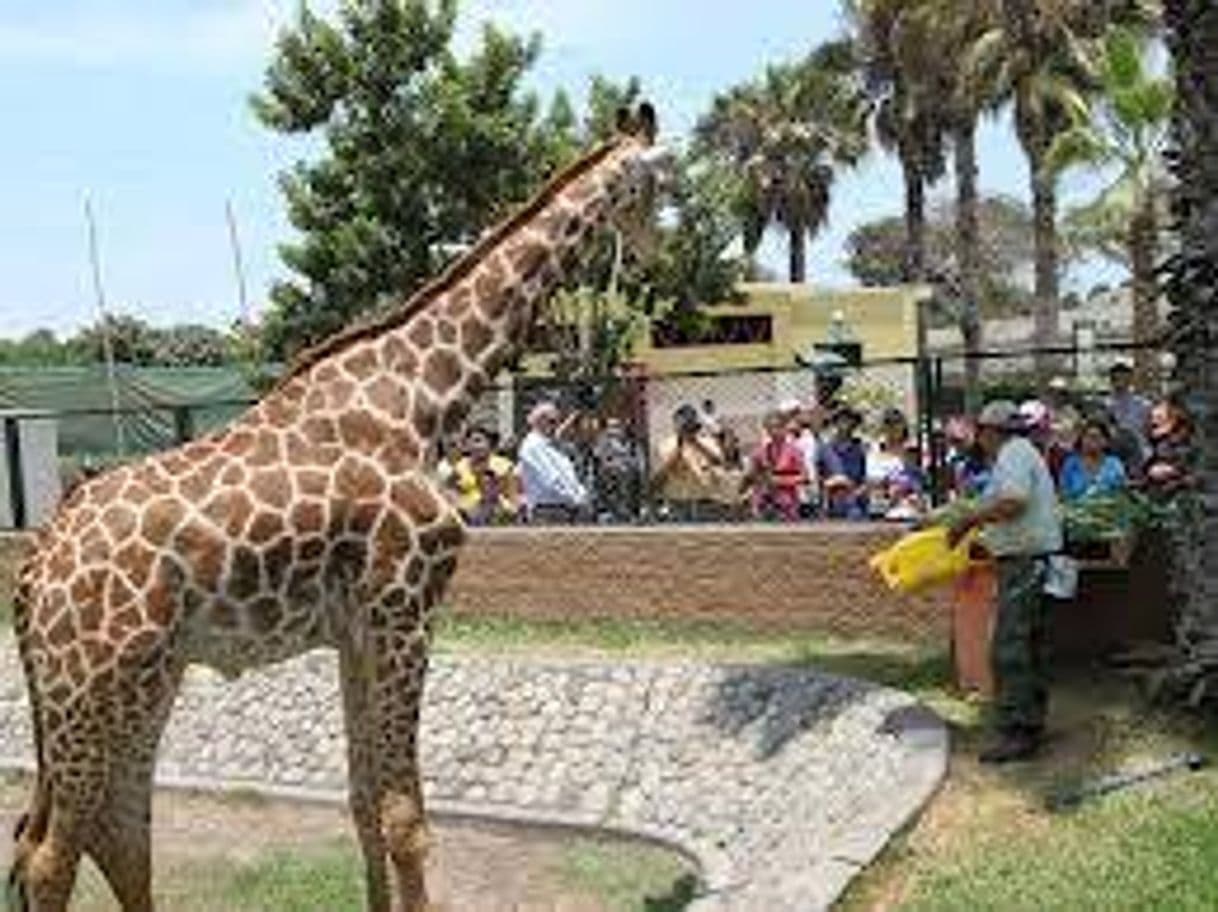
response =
{"points": [[881, 439]]}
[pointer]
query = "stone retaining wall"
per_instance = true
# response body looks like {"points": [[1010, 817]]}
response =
{"points": [[812, 577]]}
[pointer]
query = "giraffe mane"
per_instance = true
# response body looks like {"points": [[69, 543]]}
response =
{"points": [[460, 268]]}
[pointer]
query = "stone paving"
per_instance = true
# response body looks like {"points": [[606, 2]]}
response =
{"points": [[782, 783]]}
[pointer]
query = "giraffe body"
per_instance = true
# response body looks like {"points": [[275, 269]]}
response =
{"points": [[312, 521]]}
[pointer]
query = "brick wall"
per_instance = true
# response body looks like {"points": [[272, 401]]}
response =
{"points": [[812, 577]]}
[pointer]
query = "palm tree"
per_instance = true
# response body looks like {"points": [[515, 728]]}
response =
{"points": [[1035, 54], [938, 29], [907, 75], [1126, 128], [963, 26], [1192, 35], [786, 135]]}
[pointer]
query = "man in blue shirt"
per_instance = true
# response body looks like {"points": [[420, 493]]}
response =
{"points": [[843, 468]]}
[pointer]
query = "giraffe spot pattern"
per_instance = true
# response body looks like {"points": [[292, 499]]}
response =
{"points": [[250, 535], [361, 432], [441, 371]]}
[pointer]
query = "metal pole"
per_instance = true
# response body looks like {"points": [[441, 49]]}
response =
{"points": [[936, 451], [103, 325], [238, 264], [16, 472]]}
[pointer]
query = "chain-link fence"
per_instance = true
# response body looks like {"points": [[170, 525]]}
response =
{"points": [[866, 440], [710, 496]]}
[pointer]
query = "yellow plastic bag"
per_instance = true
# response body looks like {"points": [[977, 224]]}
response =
{"points": [[922, 560]]}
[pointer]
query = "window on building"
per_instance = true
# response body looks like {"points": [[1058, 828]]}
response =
{"points": [[752, 329]]}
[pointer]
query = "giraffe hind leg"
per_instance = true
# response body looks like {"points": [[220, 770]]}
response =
{"points": [[49, 870], [121, 841], [28, 831]]}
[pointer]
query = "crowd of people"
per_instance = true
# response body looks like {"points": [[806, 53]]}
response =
{"points": [[811, 460], [1092, 446]]}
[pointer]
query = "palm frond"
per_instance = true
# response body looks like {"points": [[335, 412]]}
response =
{"points": [[1079, 145]]}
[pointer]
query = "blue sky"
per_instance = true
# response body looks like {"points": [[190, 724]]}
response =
{"points": [[142, 106]]}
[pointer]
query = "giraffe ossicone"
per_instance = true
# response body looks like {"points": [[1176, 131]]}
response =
{"points": [[311, 521]]}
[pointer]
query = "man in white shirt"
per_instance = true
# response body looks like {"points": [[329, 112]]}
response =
{"points": [[552, 489], [1021, 529]]}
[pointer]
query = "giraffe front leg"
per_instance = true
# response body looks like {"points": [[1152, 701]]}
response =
{"points": [[363, 785], [403, 822]]}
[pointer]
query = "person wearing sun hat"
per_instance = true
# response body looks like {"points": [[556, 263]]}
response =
{"points": [[1065, 421], [1019, 525]]}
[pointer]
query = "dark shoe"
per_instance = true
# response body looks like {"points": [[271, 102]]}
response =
{"points": [[1012, 747]]}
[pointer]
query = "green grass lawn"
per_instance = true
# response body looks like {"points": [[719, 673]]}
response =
{"points": [[1153, 850], [989, 842]]}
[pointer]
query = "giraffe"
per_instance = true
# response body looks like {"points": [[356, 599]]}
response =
{"points": [[312, 521]]}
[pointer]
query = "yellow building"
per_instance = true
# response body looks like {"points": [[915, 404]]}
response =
{"points": [[747, 361], [791, 319]]}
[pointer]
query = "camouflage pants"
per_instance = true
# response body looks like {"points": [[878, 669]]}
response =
{"points": [[1019, 651]]}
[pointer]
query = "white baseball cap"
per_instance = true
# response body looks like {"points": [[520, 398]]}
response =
{"points": [[1000, 413]]}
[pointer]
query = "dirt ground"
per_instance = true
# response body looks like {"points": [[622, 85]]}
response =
{"points": [[473, 867]]}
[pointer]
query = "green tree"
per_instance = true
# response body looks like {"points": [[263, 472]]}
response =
{"points": [[1035, 54], [191, 345], [876, 250], [422, 152], [944, 28], [787, 134], [1192, 36], [40, 348], [613, 298], [131, 339], [1126, 129]]}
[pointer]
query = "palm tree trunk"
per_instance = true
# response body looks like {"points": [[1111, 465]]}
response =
{"points": [[1192, 35], [1142, 255], [1044, 216], [797, 253], [968, 252], [915, 220]]}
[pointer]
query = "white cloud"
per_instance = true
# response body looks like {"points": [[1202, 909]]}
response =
{"points": [[219, 36]]}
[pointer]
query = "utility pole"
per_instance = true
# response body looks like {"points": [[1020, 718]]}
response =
{"points": [[238, 264], [104, 326]]}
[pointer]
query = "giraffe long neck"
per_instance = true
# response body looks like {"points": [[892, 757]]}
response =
{"points": [[393, 394], [465, 340]]}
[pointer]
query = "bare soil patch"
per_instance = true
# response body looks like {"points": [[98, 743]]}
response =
{"points": [[244, 852]]}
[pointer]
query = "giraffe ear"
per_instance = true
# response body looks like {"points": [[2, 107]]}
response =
{"points": [[624, 121], [645, 124]]}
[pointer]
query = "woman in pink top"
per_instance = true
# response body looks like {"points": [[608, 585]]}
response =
{"points": [[776, 472]]}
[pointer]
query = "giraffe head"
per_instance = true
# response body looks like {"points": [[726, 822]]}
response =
{"points": [[646, 169]]}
